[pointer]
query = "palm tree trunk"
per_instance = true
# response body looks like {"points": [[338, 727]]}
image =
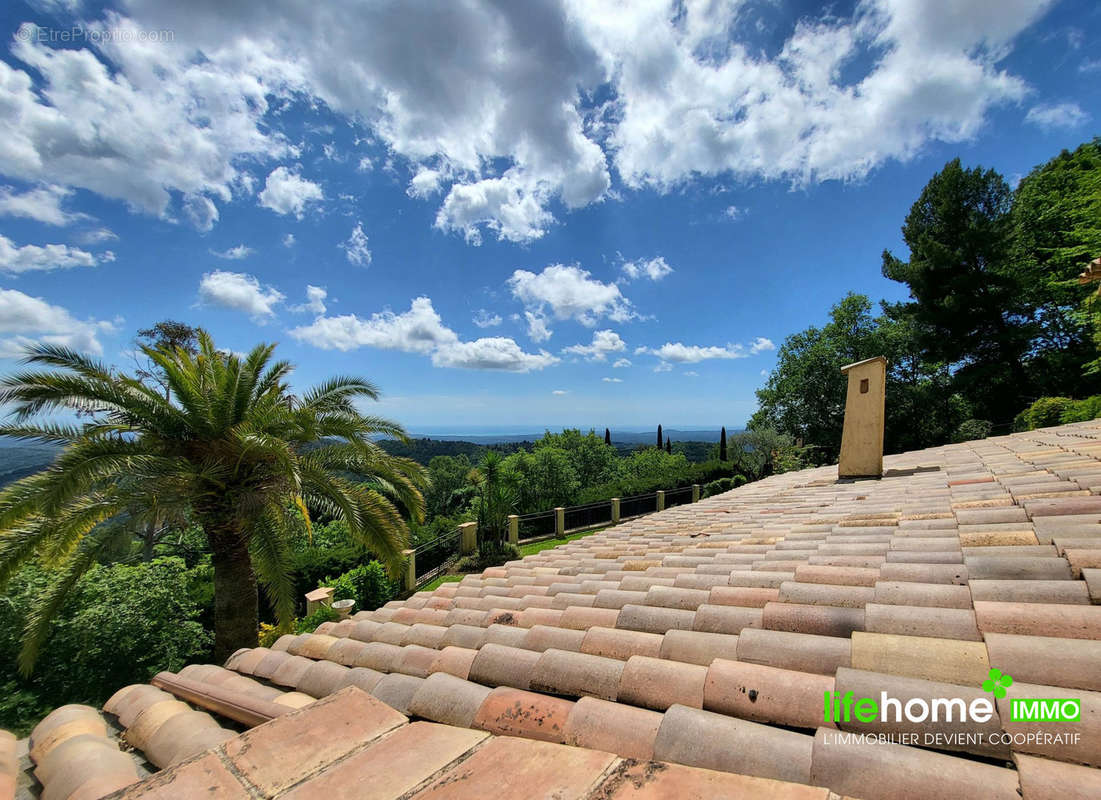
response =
{"points": [[236, 604]]}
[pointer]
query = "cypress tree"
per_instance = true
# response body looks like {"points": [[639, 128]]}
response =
{"points": [[668, 446], [607, 437], [722, 444], [660, 439]]}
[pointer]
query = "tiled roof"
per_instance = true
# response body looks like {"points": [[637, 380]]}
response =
{"points": [[683, 654]]}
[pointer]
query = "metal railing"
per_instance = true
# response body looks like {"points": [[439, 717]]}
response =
{"points": [[435, 557], [639, 504], [678, 497], [589, 515], [536, 525]]}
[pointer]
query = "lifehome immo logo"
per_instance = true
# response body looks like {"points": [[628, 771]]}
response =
{"points": [[841, 708]]}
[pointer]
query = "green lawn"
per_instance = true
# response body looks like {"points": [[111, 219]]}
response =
{"points": [[537, 547], [525, 550]]}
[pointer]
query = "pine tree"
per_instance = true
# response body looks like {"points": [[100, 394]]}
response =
{"points": [[607, 437], [722, 444], [660, 438]]}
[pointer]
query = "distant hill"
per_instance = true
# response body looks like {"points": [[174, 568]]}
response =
{"points": [[618, 437], [20, 460], [17, 460]]}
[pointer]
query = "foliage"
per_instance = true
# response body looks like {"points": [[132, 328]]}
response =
{"points": [[488, 557], [722, 445], [269, 634], [805, 393], [1082, 410], [446, 493], [309, 623], [543, 479], [967, 307], [1056, 232], [972, 429], [592, 459], [368, 584], [226, 445], [119, 625], [995, 317], [1043, 413], [496, 500], [723, 485]]}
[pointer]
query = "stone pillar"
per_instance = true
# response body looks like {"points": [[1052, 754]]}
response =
{"points": [[560, 522], [661, 500], [695, 493], [615, 510], [862, 437], [468, 538], [410, 570], [513, 529]]}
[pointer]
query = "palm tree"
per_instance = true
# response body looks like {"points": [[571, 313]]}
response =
{"points": [[227, 446], [496, 500]]}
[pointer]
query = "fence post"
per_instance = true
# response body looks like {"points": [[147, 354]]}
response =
{"points": [[695, 493], [513, 529], [615, 510], [560, 522], [410, 570], [468, 536], [661, 500]]}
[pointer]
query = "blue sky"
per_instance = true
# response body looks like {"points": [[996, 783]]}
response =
{"points": [[506, 215]]}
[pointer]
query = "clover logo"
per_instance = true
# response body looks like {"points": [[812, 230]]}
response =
{"points": [[997, 683]]}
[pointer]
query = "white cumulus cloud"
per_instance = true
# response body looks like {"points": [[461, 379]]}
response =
{"points": [[315, 301], [25, 320], [568, 292], [286, 192], [42, 203], [604, 343], [240, 292], [33, 258], [421, 330], [655, 269]]}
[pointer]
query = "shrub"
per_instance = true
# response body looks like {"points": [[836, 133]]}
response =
{"points": [[121, 624], [723, 485], [309, 623], [1082, 410], [718, 487], [972, 429], [1043, 413], [269, 634], [368, 584], [484, 559]]}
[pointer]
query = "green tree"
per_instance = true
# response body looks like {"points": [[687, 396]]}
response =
{"points": [[1056, 233], [804, 397], [593, 460], [120, 624], [543, 479], [496, 500], [659, 436], [722, 445], [608, 437], [230, 447], [668, 445], [966, 304], [448, 477]]}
